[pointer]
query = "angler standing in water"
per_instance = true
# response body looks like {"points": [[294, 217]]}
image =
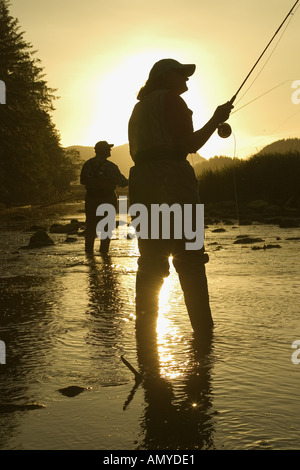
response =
{"points": [[161, 136], [100, 178]]}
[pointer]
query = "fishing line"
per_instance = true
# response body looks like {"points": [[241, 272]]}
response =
{"points": [[224, 129], [234, 181], [287, 119], [235, 191], [272, 52], [234, 172], [257, 144], [260, 96]]}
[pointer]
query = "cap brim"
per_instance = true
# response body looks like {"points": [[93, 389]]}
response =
{"points": [[189, 69]]}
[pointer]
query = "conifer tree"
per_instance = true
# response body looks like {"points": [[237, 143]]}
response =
{"points": [[33, 165]]}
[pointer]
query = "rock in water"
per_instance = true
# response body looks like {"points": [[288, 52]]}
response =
{"points": [[72, 227], [248, 240], [9, 407], [40, 238], [72, 390]]}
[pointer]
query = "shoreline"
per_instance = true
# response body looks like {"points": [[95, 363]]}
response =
{"points": [[19, 217]]}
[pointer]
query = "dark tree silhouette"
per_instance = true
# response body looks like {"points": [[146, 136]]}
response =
{"points": [[272, 177], [33, 165]]}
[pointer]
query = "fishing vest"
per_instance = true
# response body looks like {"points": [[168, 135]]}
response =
{"points": [[149, 137]]}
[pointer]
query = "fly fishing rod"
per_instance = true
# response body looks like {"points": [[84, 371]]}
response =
{"points": [[224, 129]]}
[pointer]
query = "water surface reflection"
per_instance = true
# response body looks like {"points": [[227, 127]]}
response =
{"points": [[178, 393], [178, 412], [28, 330], [108, 332]]}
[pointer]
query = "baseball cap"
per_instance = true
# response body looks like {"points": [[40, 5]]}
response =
{"points": [[102, 145], [164, 65]]}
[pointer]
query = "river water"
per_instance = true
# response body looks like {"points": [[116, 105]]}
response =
{"points": [[66, 320]]}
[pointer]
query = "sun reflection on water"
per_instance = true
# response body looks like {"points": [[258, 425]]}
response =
{"points": [[168, 333]]}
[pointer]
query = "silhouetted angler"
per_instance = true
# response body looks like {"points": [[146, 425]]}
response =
{"points": [[101, 178], [161, 136]]}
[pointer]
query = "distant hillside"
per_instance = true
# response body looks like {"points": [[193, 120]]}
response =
{"points": [[216, 163], [196, 161], [282, 146], [85, 152]]}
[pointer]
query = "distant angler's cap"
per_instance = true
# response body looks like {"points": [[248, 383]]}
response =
{"points": [[165, 65], [102, 145]]}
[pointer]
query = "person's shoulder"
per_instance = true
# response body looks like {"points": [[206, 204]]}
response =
{"points": [[111, 164], [172, 96], [174, 101], [89, 161]]}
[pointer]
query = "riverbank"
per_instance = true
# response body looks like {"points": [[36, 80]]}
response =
{"points": [[256, 211], [226, 213], [24, 216]]}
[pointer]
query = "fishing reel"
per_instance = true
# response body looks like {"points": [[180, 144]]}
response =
{"points": [[224, 130]]}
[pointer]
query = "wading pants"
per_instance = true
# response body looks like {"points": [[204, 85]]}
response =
{"points": [[92, 220], [170, 182], [153, 267]]}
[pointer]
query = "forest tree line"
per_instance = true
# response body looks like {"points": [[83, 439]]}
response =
{"points": [[33, 164], [271, 177]]}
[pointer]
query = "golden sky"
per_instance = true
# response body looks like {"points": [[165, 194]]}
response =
{"points": [[98, 54]]}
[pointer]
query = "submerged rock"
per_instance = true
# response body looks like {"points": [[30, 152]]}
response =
{"points": [[9, 407], [39, 239], [70, 240], [247, 240], [72, 390], [72, 227], [218, 230], [265, 247]]}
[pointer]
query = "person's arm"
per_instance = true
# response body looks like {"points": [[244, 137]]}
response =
{"points": [[122, 181], [180, 124], [196, 140], [112, 171]]}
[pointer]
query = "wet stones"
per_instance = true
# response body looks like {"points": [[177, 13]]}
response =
{"points": [[247, 240], [265, 247], [70, 228], [11, 407], [72, 390], [218, 230], [39, 239]]}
